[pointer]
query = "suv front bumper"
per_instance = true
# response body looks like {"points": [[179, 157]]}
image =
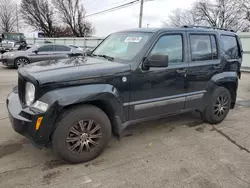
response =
{"points": [[24, 120]]}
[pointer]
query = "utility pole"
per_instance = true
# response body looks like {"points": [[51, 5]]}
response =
{"points": [[141, 13], [17, 18]]}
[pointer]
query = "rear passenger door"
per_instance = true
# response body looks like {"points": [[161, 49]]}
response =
{"points": [[45, 52], [60, 49], [204, 63]]}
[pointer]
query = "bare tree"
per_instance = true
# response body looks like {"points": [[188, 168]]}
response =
{"points": [[180, 17], [245, 4], [8, 15], [228, 14], [39, 14], [63, 31], [220, 13], [73, 13]]}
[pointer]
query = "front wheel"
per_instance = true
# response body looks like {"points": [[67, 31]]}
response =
{"points": [[21, 61], [82, 134], [218, 107]]}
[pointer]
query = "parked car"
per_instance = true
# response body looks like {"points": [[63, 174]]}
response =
{"points": [[77, 47], [38, 52], [132, 76]]}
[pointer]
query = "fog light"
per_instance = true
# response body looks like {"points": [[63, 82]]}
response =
{"points": [[40, 106], [38, 123]]}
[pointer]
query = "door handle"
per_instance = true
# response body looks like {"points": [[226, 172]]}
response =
{"points": [[181, 71], [217, 66]]}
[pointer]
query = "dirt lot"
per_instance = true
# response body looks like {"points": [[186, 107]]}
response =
{"points": [[179, 151]]}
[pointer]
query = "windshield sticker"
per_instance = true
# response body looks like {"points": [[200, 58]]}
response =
{"points": [[133, 39]]}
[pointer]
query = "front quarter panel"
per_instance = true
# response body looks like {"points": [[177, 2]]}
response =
{"points": [[61, 98]]}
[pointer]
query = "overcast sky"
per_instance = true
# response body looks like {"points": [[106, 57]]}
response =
{"points": [[155, 11]]}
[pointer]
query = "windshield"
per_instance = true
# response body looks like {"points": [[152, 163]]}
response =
{"points": [[14, 36], [33, 47], [41, 35], [122, 46]]}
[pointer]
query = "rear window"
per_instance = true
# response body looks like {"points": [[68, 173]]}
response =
{"points": [[203, 47], [60, 48], [48, 48], [231, 47]]}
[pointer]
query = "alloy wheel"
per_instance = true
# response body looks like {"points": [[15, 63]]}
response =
{"points": [[221, 106], [83, 137], [21, 62]]}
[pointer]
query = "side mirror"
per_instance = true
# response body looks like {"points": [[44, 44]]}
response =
{"points": [[88, 51], [36, 51], [156, 60]]}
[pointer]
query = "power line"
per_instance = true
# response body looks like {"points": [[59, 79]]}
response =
{"points": [[105, 5], [115, 8], [118, 2]]}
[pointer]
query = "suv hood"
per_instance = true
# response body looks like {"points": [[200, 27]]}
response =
{"points": [[71, 69]]}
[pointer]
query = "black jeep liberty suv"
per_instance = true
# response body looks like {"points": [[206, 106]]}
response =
{"points": [[133, 76]]}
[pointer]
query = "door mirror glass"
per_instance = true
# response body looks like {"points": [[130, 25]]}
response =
{"points": [[36, 51], [157, 60]]}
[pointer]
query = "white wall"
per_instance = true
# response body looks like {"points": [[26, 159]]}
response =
{"points": [[89, 42], [245, 40]]}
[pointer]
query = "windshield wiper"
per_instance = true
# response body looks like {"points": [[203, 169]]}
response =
{"points": [[106, 57], [91, 55]]}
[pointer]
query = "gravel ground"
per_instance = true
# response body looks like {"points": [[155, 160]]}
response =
{"points": [[179, 151]]}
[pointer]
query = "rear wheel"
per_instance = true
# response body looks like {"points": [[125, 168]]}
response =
{"points": [[82, 134], [21, 61], [218, 107]]}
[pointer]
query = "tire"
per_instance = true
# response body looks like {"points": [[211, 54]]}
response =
{"points": [[71, 137], [218, 107], [21, 61]]}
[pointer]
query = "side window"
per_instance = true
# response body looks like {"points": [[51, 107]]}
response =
{"points": [[231, 47], [170, 45], [60, 48], [203, 47], [48, 48]]}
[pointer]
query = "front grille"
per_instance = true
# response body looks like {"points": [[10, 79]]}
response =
{"points": [[21, 90]]}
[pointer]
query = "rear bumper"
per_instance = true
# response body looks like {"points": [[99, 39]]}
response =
{"points": [[23, 121]]}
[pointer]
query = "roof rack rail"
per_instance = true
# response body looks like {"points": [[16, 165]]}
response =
{"points": [[207, 27]]}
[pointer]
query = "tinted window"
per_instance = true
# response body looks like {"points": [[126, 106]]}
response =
{"points": [[170, 45], [230, 47], [202, 47], [63, 48], [48, 48]]}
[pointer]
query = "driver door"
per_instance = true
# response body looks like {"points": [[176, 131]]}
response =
{"points": [[160, 91], [43, 53]]}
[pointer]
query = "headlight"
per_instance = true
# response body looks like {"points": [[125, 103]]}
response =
{"points": [[39, 105], [6, 55], [29, 93]]}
